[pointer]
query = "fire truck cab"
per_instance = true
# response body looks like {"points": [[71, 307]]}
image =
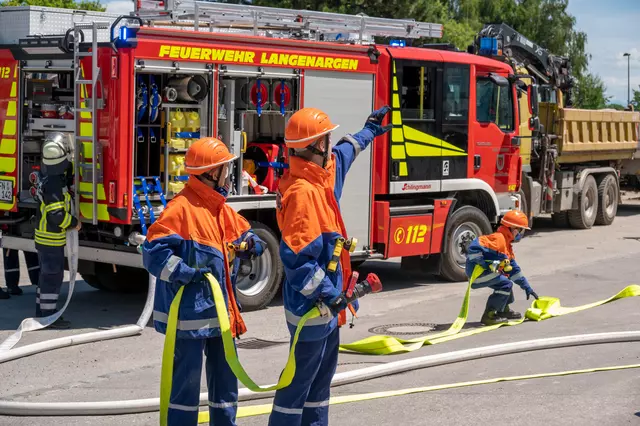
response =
{"points": [[137, 90]]}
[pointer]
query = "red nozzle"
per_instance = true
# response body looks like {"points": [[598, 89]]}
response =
{"points": [[375, 283], [352, 284]]}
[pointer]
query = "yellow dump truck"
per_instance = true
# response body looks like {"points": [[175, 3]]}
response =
{"points": [[573, 160]]}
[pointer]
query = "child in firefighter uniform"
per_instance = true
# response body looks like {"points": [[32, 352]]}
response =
{"points": [[53, 219], [491, 252], [191, 238], [311, 224]]}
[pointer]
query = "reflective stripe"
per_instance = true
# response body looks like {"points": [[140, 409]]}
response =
{"points": [[222, 404], [516, 276], [183, 407], [50, 296], [48, 306], [294, 319], [169, 267], [33, 268], [66, 222], [317, 404], [354, 142], [188, 325], [313, 283], [474, 256], [286, 410], [12, 270], [486, 278], [506, 293], [54, 206]]}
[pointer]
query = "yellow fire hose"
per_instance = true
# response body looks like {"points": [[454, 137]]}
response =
{"points": [[541, 309]]}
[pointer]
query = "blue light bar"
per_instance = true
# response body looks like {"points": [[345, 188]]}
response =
{"points": [[398, 43], [488, 46]]}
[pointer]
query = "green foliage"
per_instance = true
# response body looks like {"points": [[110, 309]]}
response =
{"points": [[635, 100], [590, 92], [66, 4]]}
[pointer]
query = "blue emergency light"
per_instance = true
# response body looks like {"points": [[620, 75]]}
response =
{"points": [[398, 43], [127, 37], [488, 46]]}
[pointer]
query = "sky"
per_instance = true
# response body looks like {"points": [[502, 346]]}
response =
{"points": [[611, 31]]}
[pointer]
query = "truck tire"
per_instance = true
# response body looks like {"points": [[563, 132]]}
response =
{"points": [[259, 279], [608, 196], [524, 207], [585, 215], [463, 226], [560, 219], [125, 279]]}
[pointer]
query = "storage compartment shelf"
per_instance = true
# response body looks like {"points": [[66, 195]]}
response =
{"points": [[51, 124]]}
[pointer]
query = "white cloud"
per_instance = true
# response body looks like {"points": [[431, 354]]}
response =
{"points": [[121, 7]]}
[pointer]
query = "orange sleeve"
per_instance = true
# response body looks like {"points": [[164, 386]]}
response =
{"points": [[298, 219]]}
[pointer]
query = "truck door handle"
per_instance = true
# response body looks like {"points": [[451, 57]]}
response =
{"points": [[477, 160]]}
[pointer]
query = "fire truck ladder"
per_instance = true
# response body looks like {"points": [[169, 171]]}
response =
{"points": [[256, 19], [86, 104]]}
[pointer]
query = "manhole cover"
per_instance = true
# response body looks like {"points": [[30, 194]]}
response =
{"points": [[253, 343], [404, 329]]}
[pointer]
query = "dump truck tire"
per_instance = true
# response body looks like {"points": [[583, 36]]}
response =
{"points": [[585, 215], [608, 197]]}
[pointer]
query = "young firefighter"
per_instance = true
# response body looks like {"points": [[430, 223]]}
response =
{"points": [[191, 238], [489, 251], [310, 221], [53, 220]]}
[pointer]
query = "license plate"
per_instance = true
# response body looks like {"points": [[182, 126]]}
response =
{"points": [[6, 190]]}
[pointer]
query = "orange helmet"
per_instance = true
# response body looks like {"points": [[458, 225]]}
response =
{"points": [[206, 154], [515, 219], [306, 126]]}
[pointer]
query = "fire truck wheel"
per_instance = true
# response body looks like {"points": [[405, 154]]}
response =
{"points": [[463, 226], [585, 215], [259, 279], [124, 279], [607, 200]]}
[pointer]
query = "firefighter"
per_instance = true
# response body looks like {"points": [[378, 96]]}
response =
{"points": [[311, 224], [53, 220], [494, 253], [191, 238], [12, 271]]}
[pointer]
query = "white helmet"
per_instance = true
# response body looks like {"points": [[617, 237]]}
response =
{"points": [[56, 148]]}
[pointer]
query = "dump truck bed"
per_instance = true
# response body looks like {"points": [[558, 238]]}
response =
{"points": [[591, 135]]}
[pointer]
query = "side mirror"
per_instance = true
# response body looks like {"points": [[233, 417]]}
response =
{"points": [[534, 124], [532, 93], [498, 80]]}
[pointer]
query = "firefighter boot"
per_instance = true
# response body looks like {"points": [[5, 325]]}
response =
{"points": [[15, 291], [4, 294], [511, 315], [60, 324], [493, 318]]}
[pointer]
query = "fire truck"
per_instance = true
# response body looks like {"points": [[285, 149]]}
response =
{"points": [[135, 91]]}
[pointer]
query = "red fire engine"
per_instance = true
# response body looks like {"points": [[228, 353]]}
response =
{"points": [[137, 90]]}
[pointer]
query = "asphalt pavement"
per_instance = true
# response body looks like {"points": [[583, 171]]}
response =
{"points": [[578, 266]]}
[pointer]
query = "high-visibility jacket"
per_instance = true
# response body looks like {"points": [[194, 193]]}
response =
{"points": [[192, 233], [310, 221], [495, 247], [54, 216]]}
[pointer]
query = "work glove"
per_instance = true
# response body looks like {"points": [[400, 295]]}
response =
{"points": [[255, 246], [374, 122], [337, 303], [199, 274], [529, 292]]}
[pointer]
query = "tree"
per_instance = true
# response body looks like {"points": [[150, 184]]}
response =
{"points": [[589, 92], [635, 100], [65, 4]]}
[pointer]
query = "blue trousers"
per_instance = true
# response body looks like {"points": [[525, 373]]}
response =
{"points": [[305, 402], [12, 267], [185, 389], [502, 292], [50, 281]]}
